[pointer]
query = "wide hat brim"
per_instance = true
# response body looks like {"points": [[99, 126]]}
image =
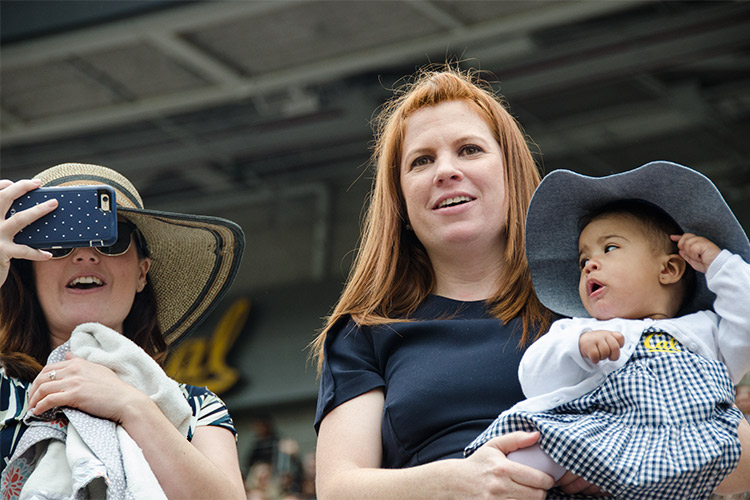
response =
{"points": [[194, 258], [564, 197]]}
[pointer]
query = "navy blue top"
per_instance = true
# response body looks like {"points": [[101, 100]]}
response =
{"points": [[445, 377]]}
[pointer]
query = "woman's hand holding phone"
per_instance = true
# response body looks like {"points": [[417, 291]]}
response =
{"points": [[10, 226], [86, 216]]}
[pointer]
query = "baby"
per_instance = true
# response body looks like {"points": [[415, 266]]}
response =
{"points": [[634, 393]]}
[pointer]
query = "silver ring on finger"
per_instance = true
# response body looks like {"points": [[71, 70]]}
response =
{"points": [[52, 375]]}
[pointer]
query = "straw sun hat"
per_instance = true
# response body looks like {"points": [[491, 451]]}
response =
{"points": [[564, 197], [194, 258]]}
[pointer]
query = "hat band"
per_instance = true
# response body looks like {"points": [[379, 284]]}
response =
{"points": [[121, 190]]}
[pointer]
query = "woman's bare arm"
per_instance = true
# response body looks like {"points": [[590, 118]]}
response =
{"points": [[206, 468], [349, 454]]}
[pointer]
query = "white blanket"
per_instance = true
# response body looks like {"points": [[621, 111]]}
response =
{"points": [[92, 457]]}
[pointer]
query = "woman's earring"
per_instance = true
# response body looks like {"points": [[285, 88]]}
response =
{"points": [[408, 227]]}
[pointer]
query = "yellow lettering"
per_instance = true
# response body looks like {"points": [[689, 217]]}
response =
{"points": [[647, 343], [202, 361], [663, 345]]}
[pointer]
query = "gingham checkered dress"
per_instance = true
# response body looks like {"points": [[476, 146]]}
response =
{"points": [[660, 427]]}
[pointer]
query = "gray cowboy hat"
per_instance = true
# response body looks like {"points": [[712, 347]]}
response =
{"points": [[194, 258], [564, 197]]}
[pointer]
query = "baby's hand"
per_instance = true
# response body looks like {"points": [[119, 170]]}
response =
{"points": [[597, 345], [696, 250]]}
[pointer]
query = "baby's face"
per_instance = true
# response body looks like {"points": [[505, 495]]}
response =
{"points": [[620, 270]]}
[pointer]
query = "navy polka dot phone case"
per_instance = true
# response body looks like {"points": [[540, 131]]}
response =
{"points": [[85, 216]]}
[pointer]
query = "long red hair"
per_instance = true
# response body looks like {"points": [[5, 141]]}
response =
{"points": [[392, 274]]}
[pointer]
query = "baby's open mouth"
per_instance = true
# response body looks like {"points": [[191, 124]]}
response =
{"points": [[594, 286]]}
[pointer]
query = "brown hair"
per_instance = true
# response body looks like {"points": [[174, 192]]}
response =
{"points": [[24, 334], [391, 274]]}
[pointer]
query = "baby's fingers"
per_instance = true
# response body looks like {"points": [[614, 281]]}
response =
{"points": [[698, 251], [620, 338], [613, 346]]}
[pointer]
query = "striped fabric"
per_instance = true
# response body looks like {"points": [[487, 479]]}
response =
{"points": [[13, 406], [207, 407]]}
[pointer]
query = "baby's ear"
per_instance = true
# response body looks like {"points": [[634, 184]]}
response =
{"points": [[672, 268]]}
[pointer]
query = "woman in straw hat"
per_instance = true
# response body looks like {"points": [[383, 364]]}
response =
{"points": [[159, 280], [438, 303]]}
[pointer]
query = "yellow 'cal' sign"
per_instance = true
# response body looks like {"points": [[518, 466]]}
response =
{"points": [[202, 361]]}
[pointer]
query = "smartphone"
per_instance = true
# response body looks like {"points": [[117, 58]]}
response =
{"points": [[85, 216]]}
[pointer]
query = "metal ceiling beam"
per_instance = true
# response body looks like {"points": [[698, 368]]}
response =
{"points": [[437, 14], [40, 51], [610, 129], [668, 46], [187, 17], [210, 67], [9, 120]]}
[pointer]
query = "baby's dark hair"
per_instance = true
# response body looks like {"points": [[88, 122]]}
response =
{"points": [[656, 224]]}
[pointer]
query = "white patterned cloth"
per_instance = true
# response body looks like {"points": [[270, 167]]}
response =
{"points": [[66, 453]]}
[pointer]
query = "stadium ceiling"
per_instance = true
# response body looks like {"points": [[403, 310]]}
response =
{"points": [[211, 100]]}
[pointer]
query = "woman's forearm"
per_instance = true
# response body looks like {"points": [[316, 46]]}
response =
{"points": [[205, 468], [485, 474], [183, 470], [436, 480]]}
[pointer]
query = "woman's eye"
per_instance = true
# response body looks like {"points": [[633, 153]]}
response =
{"points": [[471, 149], [418, 162]]}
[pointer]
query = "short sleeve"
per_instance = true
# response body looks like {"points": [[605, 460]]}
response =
{"points": [[13, 407], [207, 408], [350, 367]]}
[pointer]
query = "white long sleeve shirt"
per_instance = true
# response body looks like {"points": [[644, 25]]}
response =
{"points": [[553, 371]]}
